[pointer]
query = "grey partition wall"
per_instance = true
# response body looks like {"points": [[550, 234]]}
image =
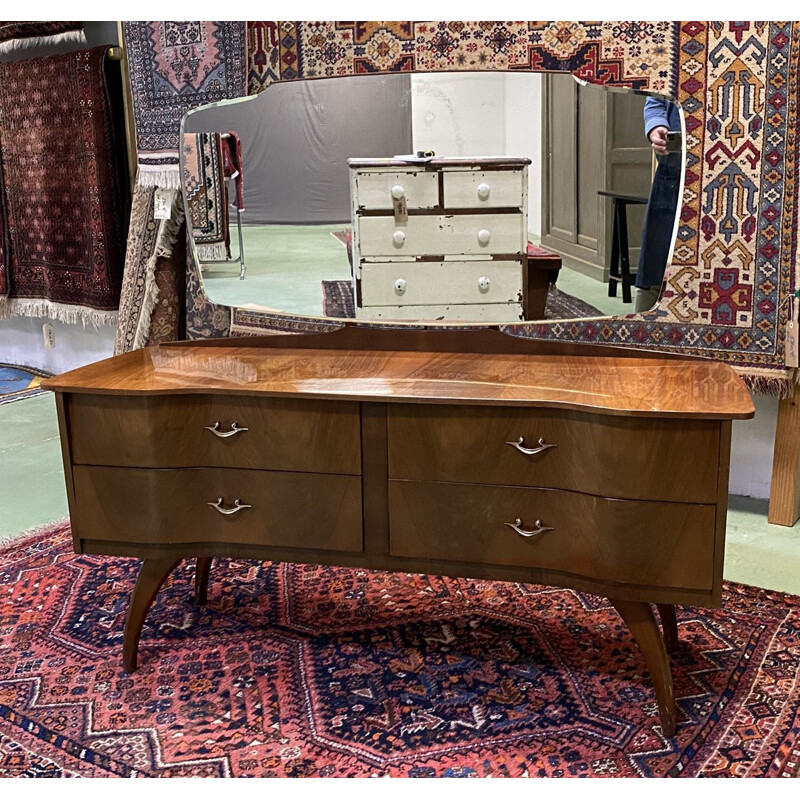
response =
{"points": [[297, 137]]}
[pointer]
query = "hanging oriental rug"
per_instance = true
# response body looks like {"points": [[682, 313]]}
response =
{"points": [[61, 214], [293, 670], [175, 66]]}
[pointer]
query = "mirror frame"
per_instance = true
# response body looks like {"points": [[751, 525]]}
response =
{"points": [[733, 262]]}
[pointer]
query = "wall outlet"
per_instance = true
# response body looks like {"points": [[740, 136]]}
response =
{"points": [[49, 336]]}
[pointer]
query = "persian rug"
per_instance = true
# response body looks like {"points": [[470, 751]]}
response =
{"points": [[294, 670], [152, 288], [19, 36], [18, 382], [735, 260], [338, 301], [62, 205], [206, 193], [175, 66]]}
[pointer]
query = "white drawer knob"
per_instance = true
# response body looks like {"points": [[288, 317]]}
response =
{"points": [[483, 191], [397, 191], [483, 283], [483, 236], [399, 237], [400, 286]]}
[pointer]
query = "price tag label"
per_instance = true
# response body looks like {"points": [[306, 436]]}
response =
{"points": [[400, 206], [163, 203], [792, 359]]}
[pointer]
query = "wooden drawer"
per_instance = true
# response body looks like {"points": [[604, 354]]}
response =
{"points": [[441, 283], [624, 541], [629, 457], [161, 431], [483, 189], [289, 509], [373, 190], [443, 235], [474, 312]]}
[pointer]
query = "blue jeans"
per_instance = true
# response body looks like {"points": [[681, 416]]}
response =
{"points": [[659, 220]]}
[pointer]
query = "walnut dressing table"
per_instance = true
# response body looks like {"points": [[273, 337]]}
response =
{"points": [[465, 453]]}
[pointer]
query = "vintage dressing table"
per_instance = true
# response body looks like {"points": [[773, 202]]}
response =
{"points": [[466, 453]]}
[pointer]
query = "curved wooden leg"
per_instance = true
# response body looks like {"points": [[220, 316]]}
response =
{"points": [[201, 573], [669, 624], [152, 574], [642, 624]]}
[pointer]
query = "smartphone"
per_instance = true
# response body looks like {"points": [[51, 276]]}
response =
{"points": [[674, 142]]}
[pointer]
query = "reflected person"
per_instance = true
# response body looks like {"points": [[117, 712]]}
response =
{"points": [[660, 117]]}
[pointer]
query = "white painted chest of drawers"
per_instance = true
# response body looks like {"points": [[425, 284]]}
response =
{"points": [[444, 239]]}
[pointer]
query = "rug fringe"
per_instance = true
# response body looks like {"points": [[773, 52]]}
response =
{"points": [[211, 252], [37, 307], [8, 540], [782, 387], [29, 42], [167, 236], [160, 177]]}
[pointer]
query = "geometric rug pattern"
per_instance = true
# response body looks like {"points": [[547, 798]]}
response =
{"points": [[17, 382], [301, 670], [735, 260]]}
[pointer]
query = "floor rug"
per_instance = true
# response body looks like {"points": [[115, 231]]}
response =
{"points": [[337, 301], [295, 670], [17, 383]]}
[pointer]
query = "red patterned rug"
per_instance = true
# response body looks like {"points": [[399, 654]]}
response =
{"points": [[307, 671]]}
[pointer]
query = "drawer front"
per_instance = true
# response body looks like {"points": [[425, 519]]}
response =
{"points": [[173, 431], [444, 235], [373, 190], [475, 312], [625, 541], [171, 506], [484, 189], [635, 458], [441, 283]]}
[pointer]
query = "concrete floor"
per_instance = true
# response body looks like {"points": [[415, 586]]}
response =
{"points": [[32, 493], [286, 264]]}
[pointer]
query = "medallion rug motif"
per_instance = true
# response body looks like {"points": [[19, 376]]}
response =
{"points": [[175, 66], [295, 670]]}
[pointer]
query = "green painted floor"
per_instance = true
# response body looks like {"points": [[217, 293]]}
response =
{"points": [[32, 493], [286, 264]]}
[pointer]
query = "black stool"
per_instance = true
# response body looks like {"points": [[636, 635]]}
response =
{"points": [[620, 257]]}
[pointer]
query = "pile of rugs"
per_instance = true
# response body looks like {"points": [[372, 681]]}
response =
{"points": [[298, 670]]}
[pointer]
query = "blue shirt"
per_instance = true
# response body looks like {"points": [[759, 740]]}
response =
{"points": [[660, 112]]}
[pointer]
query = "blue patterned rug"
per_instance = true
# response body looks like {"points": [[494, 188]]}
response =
{"points": [[18, 382]]}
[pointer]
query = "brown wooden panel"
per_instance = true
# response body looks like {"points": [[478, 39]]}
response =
{"points": [[619, 541], [644, 459], [291, 509], [171, 432]]}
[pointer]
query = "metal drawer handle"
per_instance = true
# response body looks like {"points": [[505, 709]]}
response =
{"points": [[225, 434], [531, 451], [516, 525], [238, 505]]}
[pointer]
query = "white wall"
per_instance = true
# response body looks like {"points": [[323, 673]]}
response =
{"points": [[752, 445], [482, 114], [21, 342]]}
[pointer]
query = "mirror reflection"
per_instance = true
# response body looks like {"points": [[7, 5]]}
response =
{"points": [[452, 197]]}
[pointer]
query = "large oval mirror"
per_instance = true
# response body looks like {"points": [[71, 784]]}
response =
{"points": [[469, 197]]}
